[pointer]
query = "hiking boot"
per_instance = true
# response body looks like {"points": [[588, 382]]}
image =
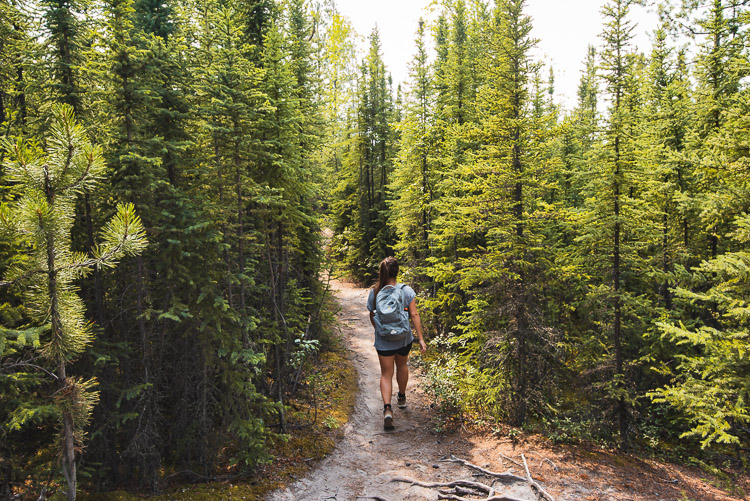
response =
{"points": [[401, 400], [387, 417]]}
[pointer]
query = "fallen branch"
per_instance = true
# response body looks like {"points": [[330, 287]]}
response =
{"points": [[542, 459], [540, 492], [510, 460], [554, 467], [500, 476]]}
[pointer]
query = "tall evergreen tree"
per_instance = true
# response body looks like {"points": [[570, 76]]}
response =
{"points": [[17, 48], [612, 204], [414, 177], [62, 22], [365, 235]]}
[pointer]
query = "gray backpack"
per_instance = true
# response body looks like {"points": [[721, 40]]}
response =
{"points": [[391, 318]]}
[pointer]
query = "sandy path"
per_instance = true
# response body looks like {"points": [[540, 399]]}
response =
{"points": [[367, 457]]}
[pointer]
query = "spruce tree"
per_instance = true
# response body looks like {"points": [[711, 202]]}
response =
{"points": [[663, 139], [457, 67], [709, 384], [706, 333], [508, 159], [611, 201], [719, 71], [64, 27], [414, 177], [17, 46], [365, 235]]}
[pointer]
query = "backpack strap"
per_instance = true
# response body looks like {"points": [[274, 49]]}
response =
{"points": [[400, 289]]}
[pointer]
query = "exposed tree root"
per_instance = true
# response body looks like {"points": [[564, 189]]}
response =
{"points": [[458, 486], [455, 483], [498, 497], [510, 460], [463, 488]]}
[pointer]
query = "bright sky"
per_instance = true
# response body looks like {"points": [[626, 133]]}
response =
{"points": [[565, 28]]}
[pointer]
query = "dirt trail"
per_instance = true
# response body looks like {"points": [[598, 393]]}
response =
{"points": [[367, 457]]}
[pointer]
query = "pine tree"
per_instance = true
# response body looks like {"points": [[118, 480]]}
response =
{"points": [[50, 183]]}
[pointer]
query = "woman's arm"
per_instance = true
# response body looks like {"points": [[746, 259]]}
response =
{"points": [[372, 317], [414, 314]]}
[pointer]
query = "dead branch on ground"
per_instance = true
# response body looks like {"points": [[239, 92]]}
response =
{"points": [[542, 459], [540, 492], [510, 460], [507, 476]]}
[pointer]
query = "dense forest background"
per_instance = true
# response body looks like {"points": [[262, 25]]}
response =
{"points": [[168, 168]]}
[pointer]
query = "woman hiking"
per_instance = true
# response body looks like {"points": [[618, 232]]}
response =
{"points": [[391, 304]]}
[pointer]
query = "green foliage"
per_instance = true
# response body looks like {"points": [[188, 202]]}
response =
{"points": [[49, 181], [548, 247], [709, 383], [569, 263], [363, 233]]}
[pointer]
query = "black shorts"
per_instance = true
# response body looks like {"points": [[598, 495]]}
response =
{"points": [[404, 351]]}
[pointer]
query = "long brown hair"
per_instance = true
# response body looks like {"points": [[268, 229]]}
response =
{"points": [[388, 270]]}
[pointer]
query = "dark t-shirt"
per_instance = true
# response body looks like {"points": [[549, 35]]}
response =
{"points": [[380, 343]]}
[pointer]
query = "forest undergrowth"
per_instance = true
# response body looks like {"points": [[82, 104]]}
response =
{"points": [[572, 441], [318, 412]]}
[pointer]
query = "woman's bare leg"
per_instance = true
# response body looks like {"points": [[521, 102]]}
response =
{"points": [[386, 377], [402, 372]]}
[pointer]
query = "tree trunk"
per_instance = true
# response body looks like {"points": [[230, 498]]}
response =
{"points": [[68, 439], [240, 233], [617, 334], [140, 296], [666, 263]]}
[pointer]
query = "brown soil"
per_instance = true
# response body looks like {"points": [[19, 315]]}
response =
{"points": [[367, 458]]}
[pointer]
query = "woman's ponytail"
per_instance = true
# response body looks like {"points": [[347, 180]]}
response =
{"points": [[388, 269]]}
